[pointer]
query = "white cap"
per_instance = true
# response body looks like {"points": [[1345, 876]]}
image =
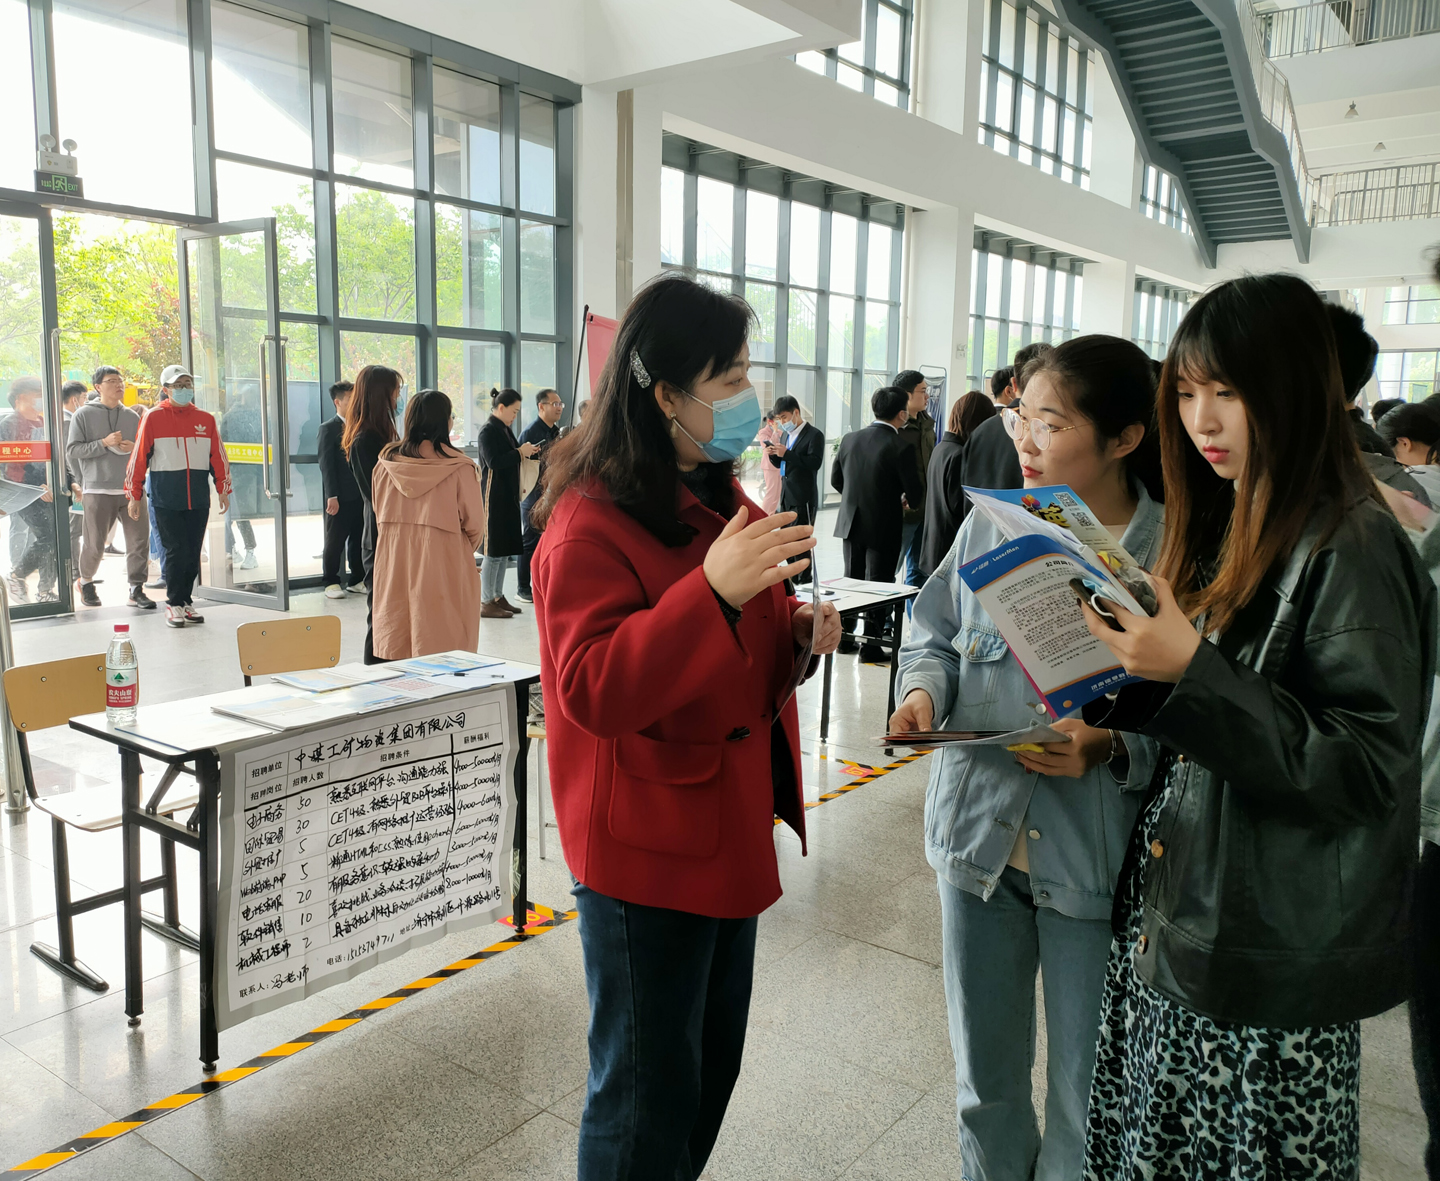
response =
{"points": [[173, 373]]}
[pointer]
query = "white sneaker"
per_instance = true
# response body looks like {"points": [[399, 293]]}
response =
{"points": [[249, 561], [334, 591], [357, 588], [174, 616]]}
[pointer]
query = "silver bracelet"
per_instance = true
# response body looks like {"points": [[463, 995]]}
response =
{"points": [[1114, 747]]}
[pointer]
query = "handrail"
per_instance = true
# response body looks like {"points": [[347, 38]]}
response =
{"points": [[1399, 192], [1338, 24], [1276, 105]]}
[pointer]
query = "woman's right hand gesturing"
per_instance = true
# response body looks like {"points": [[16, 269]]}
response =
{"points": [[744, 559], [916, 712]]}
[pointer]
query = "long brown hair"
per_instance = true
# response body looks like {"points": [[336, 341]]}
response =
{"points": [[1268, 339], [681, 331], [968, 412], [372, 406]]}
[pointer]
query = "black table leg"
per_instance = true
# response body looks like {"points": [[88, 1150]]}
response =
{"points": [[207, 771], [825, 698], [130, 860], [896, 625], [522, 818]]}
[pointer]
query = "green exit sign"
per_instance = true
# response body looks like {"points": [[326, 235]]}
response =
{"points": [[59, 183]]}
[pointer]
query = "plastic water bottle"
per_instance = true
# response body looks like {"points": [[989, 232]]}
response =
{"points": [[122, 678]]}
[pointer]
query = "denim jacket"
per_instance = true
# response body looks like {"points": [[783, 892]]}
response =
{"points": [[979, 798]]}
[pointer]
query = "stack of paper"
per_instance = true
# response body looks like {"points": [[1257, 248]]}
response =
{"points": [[342, 676]]}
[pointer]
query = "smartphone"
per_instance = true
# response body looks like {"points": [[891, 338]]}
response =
{"points": [[1090, 599]]}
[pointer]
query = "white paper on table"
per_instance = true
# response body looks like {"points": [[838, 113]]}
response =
{"points": [[425, 688], [278, 708], [869, 588], [444, 662], [342, 676], [188, 725]]}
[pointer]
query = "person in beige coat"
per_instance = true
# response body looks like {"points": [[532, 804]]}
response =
{"points": [[430, 518]]}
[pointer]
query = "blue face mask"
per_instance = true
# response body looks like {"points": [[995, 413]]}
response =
{"points": [[181, 396], [789, 427], [737, 419]]}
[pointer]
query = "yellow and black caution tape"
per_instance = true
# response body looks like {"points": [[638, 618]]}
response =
{"points": [[868, 774], [539, 920]]}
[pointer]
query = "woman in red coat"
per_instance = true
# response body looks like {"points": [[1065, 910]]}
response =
{"points": [[665, 639]]}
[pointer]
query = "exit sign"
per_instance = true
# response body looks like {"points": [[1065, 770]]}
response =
{"points": [[59, 183]]}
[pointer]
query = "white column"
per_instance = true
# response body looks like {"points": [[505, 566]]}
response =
{"points": [[1109, 302], [595, 204], [1112, 151], [648, 134], [937, 292]]}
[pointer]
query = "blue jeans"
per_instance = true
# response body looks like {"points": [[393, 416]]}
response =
{"points": [[669, 999], [912, 537], [991, 953], [492, 578]]}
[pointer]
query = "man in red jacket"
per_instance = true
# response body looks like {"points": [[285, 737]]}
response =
{"points": [[179, 444]]}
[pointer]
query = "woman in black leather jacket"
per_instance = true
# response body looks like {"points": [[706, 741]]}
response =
{"points": [[1264, 908]]}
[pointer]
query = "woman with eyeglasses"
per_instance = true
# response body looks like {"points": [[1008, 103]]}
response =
{"points": [[1027, 846]]}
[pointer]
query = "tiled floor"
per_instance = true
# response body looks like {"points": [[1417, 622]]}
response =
{"points": [[847, 1070]]}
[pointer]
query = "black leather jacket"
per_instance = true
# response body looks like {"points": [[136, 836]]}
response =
{"points": [[1278, 891]]}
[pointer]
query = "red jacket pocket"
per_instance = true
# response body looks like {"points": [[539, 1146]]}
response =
{"points": [[665, 796]]}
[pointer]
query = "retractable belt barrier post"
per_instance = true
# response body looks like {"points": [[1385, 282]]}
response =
{"points": [[15, 800]]}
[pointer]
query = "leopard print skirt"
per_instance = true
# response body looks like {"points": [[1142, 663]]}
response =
{"points": [[1179, 1097]]}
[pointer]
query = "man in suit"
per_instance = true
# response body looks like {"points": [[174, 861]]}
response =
{"points": [[344, 506], [799, 460], [876, 475], [542, 432]]}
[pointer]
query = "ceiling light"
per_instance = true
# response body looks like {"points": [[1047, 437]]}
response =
{"points": [[1380, 147], [1352, 113]]}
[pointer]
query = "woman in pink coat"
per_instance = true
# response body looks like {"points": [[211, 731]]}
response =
{"points": [[430, 517], [769, 473]]}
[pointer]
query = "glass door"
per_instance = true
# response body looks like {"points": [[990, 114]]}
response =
{"points": [[35, 551], [230, 333]]}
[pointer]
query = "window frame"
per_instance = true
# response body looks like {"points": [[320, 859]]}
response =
{"points": [[869, 73], [695, 160], [1010, 250], [1050, 159], [1156, 313], [424, 52]]}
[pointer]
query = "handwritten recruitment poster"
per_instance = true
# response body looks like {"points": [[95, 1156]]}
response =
{"points": [[344, 846]]}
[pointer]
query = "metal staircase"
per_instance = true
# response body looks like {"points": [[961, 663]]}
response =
{"points": [[1208, 108]]}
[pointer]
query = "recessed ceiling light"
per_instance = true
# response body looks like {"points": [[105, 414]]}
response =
{"points": [[1352, 113]]}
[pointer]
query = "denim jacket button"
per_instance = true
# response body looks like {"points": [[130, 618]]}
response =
{"points": [[1141, 944], [1040, 708], [1034, 834], [1044, 893]]}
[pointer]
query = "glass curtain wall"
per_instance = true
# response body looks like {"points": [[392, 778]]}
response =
{"points": [[1019, 293], [422, 202], [1158, 311], [879, 63], [1412, 305], [1035, 92], [819, 264], [1160, 200], [1412, 374]]}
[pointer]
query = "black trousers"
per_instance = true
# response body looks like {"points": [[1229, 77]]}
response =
{"points": [[1425, 1004], [343, 534], [669, 1001], [529, 540], [182, 532], [875, 565], [804, 512], [38, 556]]}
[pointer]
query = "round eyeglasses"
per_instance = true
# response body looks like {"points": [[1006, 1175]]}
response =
{"points": [[1040, 430]]}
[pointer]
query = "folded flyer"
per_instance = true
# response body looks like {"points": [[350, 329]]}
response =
{"points": [[1024, 586]]}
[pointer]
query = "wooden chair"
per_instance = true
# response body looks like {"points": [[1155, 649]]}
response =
{"points": [[40, 696], [288, 645]]}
